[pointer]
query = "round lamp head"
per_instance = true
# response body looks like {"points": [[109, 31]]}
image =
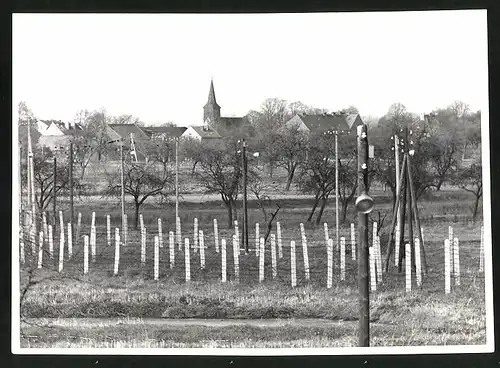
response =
{"points": [[364, 203]]}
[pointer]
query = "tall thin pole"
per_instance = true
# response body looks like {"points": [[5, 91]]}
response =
{"points": [[245, 209], [122, 187], [364, 296], [54, 208], [176, 178], [396, 154], [71, 208], [336, 190], [32, 179]]}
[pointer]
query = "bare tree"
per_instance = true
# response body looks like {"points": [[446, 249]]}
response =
{"points": [[470, 179], [265, 202]]}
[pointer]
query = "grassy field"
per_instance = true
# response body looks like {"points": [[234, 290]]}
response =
{"points": [[426, 316]]}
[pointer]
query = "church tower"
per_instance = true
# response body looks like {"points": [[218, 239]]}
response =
{"points": [[211, 111]]}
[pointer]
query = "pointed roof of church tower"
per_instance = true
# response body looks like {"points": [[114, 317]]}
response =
{"points": [[211, 95]]}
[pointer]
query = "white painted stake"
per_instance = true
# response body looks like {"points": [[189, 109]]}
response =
{"points": [[201, 242], [92, 224], [40, 249], [304, 251], [93, 243], [51, 243], [373, 275], [452, 257], [108, 229], [329, 254], [33, 240], [418, 262], [125, 235], [378, 259], [223, 258], [117, 251], [342, 258], [61, 229], [293, 267], [481, 251], [143, 246], [171, 243], [195, 235], [326, 233], [273, 256], [397, 246], [85, 254], [78, 226], [236, 259], [61, 252], [353, 243], [422, 232], [408, 267], [45, 228], [216, 236], [178, 229], [141, 220], [21, 243], [157, 257], [70, 240], [237, 233], [280, 247], [456, 261], [261, 260], [160, 233], [257, 240], [187, 261], [447, 267]]}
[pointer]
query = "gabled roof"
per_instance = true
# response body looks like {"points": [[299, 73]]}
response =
{"points": [[206, 132], [171, 131], [321, 123], [350, 119], [124, 131]]}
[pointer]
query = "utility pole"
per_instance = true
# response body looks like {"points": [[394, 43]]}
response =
{"points": [[176, 179], [122, 188], [364, 205], [245, 207], [32, 180], [71, 208], [396, 153], [337, 191], [54, 193]]}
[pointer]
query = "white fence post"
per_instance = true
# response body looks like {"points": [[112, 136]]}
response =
{"points": [[40, 249], [447, 267], [143, 246], [117, 251], [85, 254], [378, 259], [33, 240], [481, 251], [456, 261], [93, 242], [216, 236], [293, 266], [171, 244], [157, 257], [257, 240], [452, 257], [61, 229], [342, 258], [373, 274], [329, 273], [223, 260], [304, 251], [273, 256], [397, 246], [201, 242], [125, 235], [45, 228], [51, 243], [418, 262], [178, 229], [261, 260], [353, 243], [236, 258], [187, 260], [21, 243], [280, 247], [141, 220], [61, 251], [408, 267], [108, 229], [160, 234], [70, 240], [237, 233], [325, 225], [195, 234]]}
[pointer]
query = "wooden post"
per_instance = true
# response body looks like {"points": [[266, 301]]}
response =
{"points": [[396, 249], [452, 258], [187, 261], [33, 240], [342, 258], [236, 253], [273, 256], [195, 235], [304, 251], [326, 234], [329, 256], [261, 260], [70, 240], [447, 267], [178, 229], [353, 242], [481, 251], [160, 234], [223, 260], [45, 228], [398, 179], [54, 196], [456, 261], [78, 227], [21, 243], [40, 249], [337, 232], [61, 251], [418, 267], [373, 274], [51, 243], [237, 234], [402, 208], [280, 247], [108, 229], [61, 227], [408, 267], [257, 239], [171, 244], [85, 254], [157, 257], [125, 229], [201, 242], [378, 259], [143, 245], [117, 251], [141, 220], [216, 236], [293, 266]]}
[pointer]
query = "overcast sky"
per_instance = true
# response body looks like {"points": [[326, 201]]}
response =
{"points": [[158, 67]]}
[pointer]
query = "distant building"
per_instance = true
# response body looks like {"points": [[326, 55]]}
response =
{"points": [[57, 135], [203, 133], [164, 132], [322, 123], [128, 133]]}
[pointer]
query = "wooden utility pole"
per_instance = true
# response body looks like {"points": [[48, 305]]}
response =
{"points": [[337, 192], [176, 179], [364, 205], [54, 209], [245, 208], [122, 187], [71, 208], [396, 154], [32, 180]]}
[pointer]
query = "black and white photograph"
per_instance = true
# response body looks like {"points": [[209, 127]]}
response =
{"points": [[251, 184]]}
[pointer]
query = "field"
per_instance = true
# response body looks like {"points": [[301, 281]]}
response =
{"points": [[131, 309]]}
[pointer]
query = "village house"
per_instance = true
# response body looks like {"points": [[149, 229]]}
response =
{"points": [[57, 135], [344, 124]]}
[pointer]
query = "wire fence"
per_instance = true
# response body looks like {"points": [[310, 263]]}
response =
{"points": [[105, 250]]}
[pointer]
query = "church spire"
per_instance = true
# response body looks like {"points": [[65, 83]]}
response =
{"points": [[211, 110]]}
